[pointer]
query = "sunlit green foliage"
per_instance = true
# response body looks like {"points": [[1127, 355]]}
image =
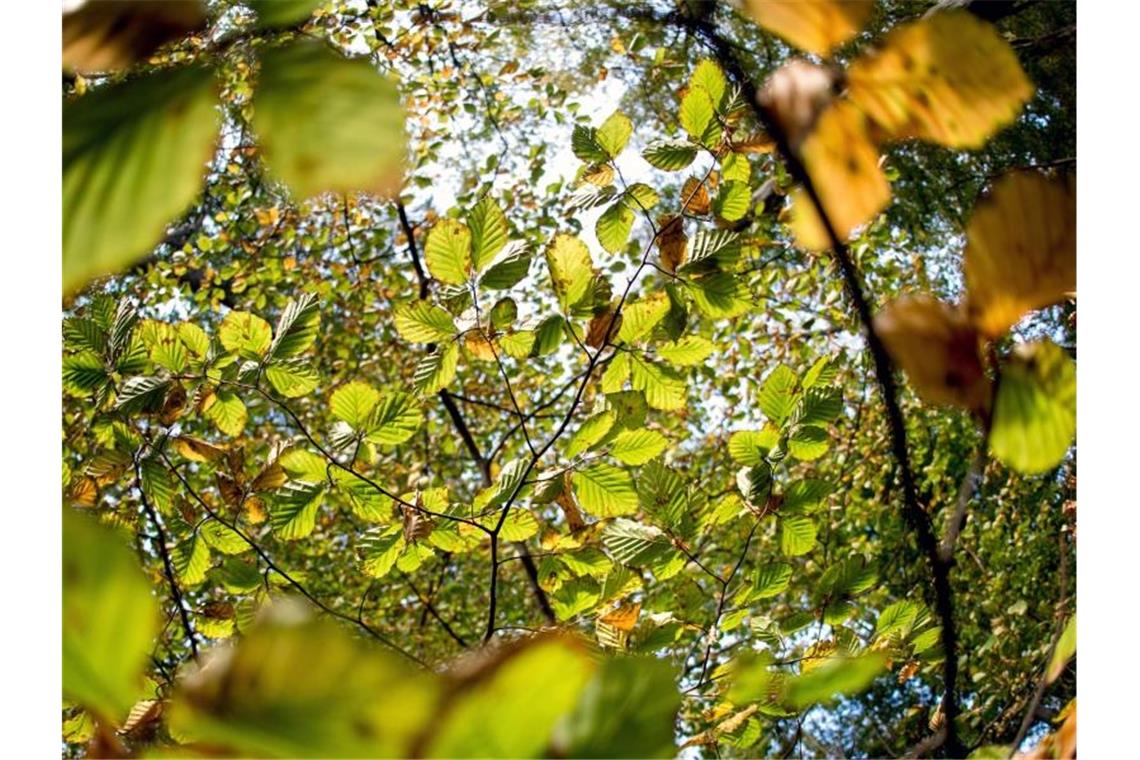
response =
{"points": [[490, 389]]}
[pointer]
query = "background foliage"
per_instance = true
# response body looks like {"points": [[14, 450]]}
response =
{"points": [[480, 388]]}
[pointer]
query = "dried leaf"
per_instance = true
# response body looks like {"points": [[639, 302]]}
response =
{"points": [[273, 476], [937, 349], [113, 34], [229, 489], [672, 242], [694, 197], [197, 450]]}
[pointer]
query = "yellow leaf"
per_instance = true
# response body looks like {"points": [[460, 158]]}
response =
{"points": [[794, 96], [1021, 249], [273, 476], [844, 167], [932, 342], [949, 78], [624, 618], [816, 26], [479, 347], [197, 450]]}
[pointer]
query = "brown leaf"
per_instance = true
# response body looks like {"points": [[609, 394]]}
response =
{"points": [[574, 519], [932, 342], [174, 405], [1021, 249], [758, 142], [417, 525], [671, 242], [113, 34], [228, 488], [694, 197], [599, 326], [273, 476]]}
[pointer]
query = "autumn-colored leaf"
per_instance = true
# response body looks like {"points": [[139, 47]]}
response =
{"points": [[844, 168], [1021, 249], [939, 351], [816, 26], [949, 78]]}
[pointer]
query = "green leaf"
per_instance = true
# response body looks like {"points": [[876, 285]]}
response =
{"points": [[296, 328], [84, 374], [593, 430], [282, 13], [732, 201], [662, 494], [750, 446], [584, 143], [423, 322], [637, 446], [698, 116], [508, 268], [721, 247], [613, 226], [395, 419], [845, 676], [709, 77], [797, 535], [663, 386], [498, 713], [142, 394], [604, 490], [353, 403], [641, 316], [191, 559], [614, 133], [488, 232], [380, 548], [804, 495], [823, 372], [518, 345], [669, 156], [448, 251], [292, 378], [134, 156], [688, 351], [304, 466], [818, 406], [1035, 414], [633, 543], [293, 511], [771, 580], [734, 167], [305, 688], [1064, 651], [221, 537], [245, 334], [808, 443], [897, 618], [510, 478], [777, 395], [571, 268], [628, 709], [720, 295], [110, 618], [157, 484], [640, 197], [227, 412], [326, 123], [755, 483], [437, 370], [166, 350]]}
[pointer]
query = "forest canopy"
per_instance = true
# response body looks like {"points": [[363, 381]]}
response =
{"points": [[581, 380]]}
